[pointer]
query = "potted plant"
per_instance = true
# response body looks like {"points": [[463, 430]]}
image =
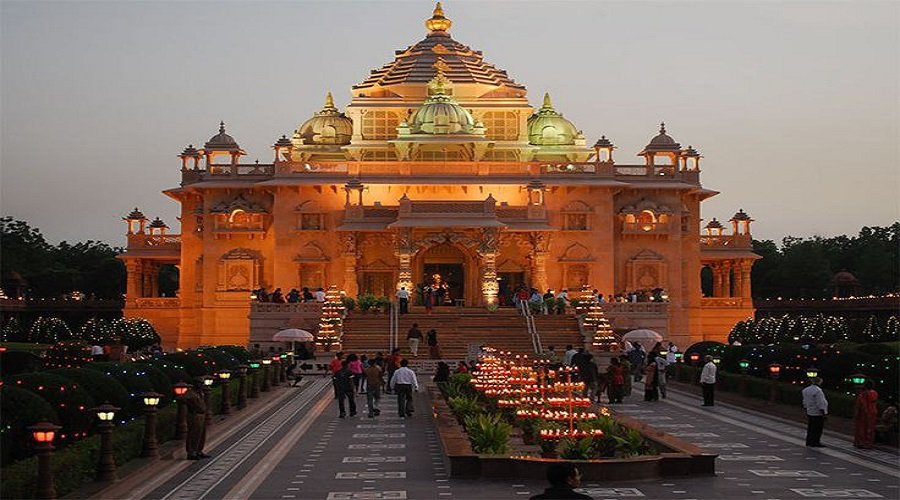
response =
{"points": [[577, 449], [384, 303], [349, 303], [529, 428], [488, 433], [548, 448], [366, 302]]}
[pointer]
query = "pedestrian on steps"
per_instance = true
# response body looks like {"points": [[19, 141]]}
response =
{"points": [[414, 337], [392, 364], [433, 349]]}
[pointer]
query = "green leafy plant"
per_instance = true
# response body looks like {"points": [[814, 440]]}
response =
{"points": [[577, 449], [632, 443], [367, 301], [459, 384], [488, 433], [464, 407], [349, 303]]}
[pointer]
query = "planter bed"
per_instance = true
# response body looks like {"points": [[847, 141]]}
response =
{"points": [[676, 457]]}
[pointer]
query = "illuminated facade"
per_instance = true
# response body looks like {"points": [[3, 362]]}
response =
{"points": [[439, 165]]}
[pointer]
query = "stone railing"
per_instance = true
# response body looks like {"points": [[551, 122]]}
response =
{"points": [[725, 242], [154, 241], [280, 307], [645, 228], [155, 302], [725, 302], [651, 308]]}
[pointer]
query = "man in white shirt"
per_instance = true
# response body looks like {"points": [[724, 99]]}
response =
{"points": [[670, 354], [404, 382], [403, 298], [570, 351], [816, 408], [320, 295], [708, 380]]}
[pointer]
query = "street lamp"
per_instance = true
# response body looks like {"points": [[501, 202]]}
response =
{"points": [[207, 389], [812, 372], [242, 385], [254, 379], [717, 360], [106, 467], [858, 379], [151, 403], [774, 372], [43, 434], [695, 358], [224, 375], [276, 367], [180, 389], [744, 365], [265, 375]]}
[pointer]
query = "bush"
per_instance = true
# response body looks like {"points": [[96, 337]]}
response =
{"points": [[15, 362], [135, 381], [488, 433], [459, 384], [158, 379], [367, 301], [240, 353], [12, 331], [71, 402], [67, 355], [136, 333], [220, 358], [349, 303], [98, 332], [578, 449], [195, 363], [173, 371], [48, 331], [21, 408], [102, 387], [464, 407]]}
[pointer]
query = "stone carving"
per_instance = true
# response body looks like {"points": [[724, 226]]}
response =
{"points": [[348, 243], [240, 202], [490, 240], [540, 241]]}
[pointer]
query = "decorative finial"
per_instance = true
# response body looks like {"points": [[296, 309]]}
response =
{"points": [[222, 127], [662, 127], [438, 22], [440, 84], [547, 103], [329, 101]]}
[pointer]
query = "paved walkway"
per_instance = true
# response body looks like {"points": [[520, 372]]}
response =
{"points": [[303, 451]]}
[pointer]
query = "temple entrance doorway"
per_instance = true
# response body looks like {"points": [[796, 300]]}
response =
{"points": [[508, 282], [444, 269], [378, 283]]}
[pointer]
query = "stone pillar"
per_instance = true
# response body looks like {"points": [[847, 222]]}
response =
{"points": [[717, 279], [726, 278], [490, 241], [405, 250], [746, 266], [540, 243], [349, 254], [153, 278], [133, 288]]}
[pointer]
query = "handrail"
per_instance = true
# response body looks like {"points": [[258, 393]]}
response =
{"points": [[393, 329], [531, 327]]}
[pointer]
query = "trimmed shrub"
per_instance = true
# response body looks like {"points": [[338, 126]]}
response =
{"points": [[195, 363], [15, 362], [221, 358], [71, 402], [13, 331], [21, 408], [48, 331], [172, 370], [102, 387], [158, 379], [135, 381], [136, 333], [98, 332], [238, 352], [67, 355]]}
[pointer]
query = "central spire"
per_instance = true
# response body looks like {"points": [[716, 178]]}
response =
{"points": [[438, 22]]}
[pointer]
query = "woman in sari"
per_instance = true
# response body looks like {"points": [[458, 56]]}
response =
{"points": [[865, 417]]}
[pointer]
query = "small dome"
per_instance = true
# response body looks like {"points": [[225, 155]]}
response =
{"points": [[158, 223], [844, 277], [136, 215], [441, 114], [190, 152], [741, 215], [327, 127], [603, 142], [547, 127], [714, 224], [221, 141], [662, 143], [283, 142], [438, 22]]}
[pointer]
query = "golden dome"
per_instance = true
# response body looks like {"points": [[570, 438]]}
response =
{"points": [[438, 22], [440, 113], [547, 127], [327, 127]]}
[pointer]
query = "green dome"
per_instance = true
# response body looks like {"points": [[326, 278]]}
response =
{"points": [[549, 128], [441, 114], [327, 127]]}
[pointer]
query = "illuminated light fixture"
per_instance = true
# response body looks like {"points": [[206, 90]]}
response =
{"points": [[812, 372], [151, 398], [694, 357], [267, 361], [44, 432], [276, 358], [858, 379], [744, 364], [106, 412], [224, 374], [207, 381], [180, 389], [254, 365], [717, 360], [774, 369]]}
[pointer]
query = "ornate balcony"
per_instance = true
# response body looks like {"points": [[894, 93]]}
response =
{"points": [[159, 246]]}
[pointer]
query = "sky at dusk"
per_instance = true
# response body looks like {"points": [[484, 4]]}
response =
{"points": [[794, 105]]}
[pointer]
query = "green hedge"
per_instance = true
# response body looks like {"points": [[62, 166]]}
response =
{"points": [[102, 387], [70, 401], [21, 408]]}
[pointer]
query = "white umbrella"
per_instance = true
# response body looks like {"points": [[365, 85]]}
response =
{"points": [[293, 335], [643, 336]]}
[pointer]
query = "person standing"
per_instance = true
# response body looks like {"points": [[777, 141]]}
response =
{"points": [[404, 382], [651, 389], [816, 408], [334, 367], [708, 381], [403, 298], [671, 352], [616, 378], [414, 337], [587, 373], [637, 356], [567, 356], [320, 295], [661, 376], [343, 384], [374, 382], [428, 299], [562, 301], [355, 365], [626, 370], [196, 422], [865, 416], [564, 478], [434, 351]]}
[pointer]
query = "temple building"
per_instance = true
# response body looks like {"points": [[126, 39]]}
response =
{"points": [[440, 169]]}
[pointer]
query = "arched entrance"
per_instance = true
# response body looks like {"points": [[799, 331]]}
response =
{"points": [[448, 267]]}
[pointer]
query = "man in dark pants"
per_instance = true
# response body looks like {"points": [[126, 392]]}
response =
{"points": [[404, 382], [816, 407], [403, 298], [708, 381], [196, 420], [343, 385]]}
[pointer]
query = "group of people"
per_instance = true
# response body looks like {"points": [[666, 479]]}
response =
{"points": [[414, 339], [294, 296], [867, 423], [354, 374]]}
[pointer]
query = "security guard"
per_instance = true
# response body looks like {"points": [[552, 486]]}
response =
{"points": [[196, 418]]}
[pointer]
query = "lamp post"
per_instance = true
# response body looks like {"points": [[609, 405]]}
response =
{"points": [[43, 434], [858, 379], [276, 368], [254, 380], [282, 371], [695, 358], [207, 388], [774, 372], [717, 360], [812, 372], [151, 403], [106, 467], [224, 376], [265, 374], [242, 386], [180, 389], [744, 365]]}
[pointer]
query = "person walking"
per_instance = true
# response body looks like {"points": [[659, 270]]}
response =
{"points": [[587, 373], [708, 381], [626, 370], [651, 389], [816, 407], [391, 365], [334, 367], [567, 356], [865, 416], [616, 376], [374, 383], [404, 382], [403, 298], [196, 422], [343, 384], [662, 365], [355, 365], [414, 337], [637, 356], [564, 478], [434, 351]]}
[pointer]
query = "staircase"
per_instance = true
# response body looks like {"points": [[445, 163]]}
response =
{"points": [[457, 329]]}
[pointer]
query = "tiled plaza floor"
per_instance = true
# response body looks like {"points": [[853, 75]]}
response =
{"points": [[304, 451]]}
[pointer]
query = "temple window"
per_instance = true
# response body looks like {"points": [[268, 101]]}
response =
{"points": [[239, 270], [501, 125], [379, 125], [646, 220], [312, 222], [576, 216], [576, 222]]}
